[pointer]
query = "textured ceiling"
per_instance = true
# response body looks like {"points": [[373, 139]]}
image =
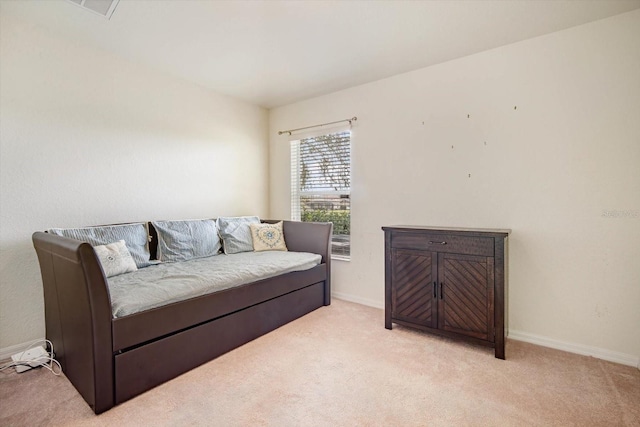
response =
{"points": [[272, 53]]}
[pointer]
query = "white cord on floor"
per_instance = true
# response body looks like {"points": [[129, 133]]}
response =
{"points": [[49, 363]]}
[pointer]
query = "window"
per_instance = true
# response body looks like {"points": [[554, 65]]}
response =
{"points": [[321, 185]]}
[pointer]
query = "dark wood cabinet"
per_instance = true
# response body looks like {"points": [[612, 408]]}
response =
{"points": [[448, 281]]}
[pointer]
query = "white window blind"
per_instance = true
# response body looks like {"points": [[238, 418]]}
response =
{"points": [[321, 185]]}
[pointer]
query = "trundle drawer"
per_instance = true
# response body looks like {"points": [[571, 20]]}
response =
{"points": [[149, 365], [466, 245]]}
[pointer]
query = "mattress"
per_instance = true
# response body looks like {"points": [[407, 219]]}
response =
{"points": [[166, 283]]}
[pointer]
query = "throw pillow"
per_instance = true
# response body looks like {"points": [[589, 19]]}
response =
{"points": [[136, 236], [236, 234], [185, 240], [115, 258], [268, 237]]}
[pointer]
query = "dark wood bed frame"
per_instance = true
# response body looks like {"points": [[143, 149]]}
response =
{"points": [[110, 360]]}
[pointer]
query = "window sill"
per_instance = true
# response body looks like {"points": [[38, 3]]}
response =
{"points": [[340, 258]]}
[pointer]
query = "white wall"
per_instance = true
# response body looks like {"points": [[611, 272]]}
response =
{"points": [[87, 138], [560, 116]]}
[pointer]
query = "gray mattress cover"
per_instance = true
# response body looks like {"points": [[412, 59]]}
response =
{"points": [[166, 283]]}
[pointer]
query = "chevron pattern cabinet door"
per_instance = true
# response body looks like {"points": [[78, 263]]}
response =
{"points": [[413, 289], [466, 295]]}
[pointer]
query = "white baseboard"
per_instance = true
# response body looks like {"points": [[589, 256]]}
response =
{"points": [[7, 352], [356, 299], [600, 353]]}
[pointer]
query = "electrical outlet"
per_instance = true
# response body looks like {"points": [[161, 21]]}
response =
{"points": [[30, 358]]}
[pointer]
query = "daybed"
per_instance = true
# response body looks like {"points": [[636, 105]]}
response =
{"points": [[110, 359]]}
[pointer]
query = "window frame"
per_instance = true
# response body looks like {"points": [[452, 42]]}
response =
{"points": [[297, 194]]}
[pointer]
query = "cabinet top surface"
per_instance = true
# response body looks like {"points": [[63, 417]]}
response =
{"points": [[503, 231]]}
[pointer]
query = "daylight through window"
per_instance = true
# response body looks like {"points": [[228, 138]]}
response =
{"points": [[321, 185]]}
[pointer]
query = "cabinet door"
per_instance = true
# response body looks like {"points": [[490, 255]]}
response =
{"points": [[413, 289], [465, 302]]}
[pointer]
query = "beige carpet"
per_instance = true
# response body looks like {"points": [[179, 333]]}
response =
{"points": [[338, 366]]}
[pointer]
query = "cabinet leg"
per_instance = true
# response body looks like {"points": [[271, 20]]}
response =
{"points": [[387, 318], [500, 350], [387, 312]]}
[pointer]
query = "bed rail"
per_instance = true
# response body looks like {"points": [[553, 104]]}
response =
{"points": [[78, 315], [314, 237]]}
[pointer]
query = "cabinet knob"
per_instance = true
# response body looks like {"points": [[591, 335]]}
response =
{"points": [[437, 243]]}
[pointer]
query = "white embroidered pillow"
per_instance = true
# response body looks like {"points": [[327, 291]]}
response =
{"points": [[268, 237], [115, 258]]}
